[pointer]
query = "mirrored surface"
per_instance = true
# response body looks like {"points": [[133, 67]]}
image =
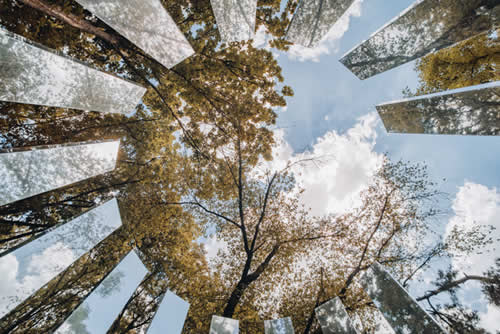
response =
{"points": [[145, 23], [334, 319], [99, 310], [33, 75], [279, 326], [235, 19], [28, 173], [221, 325], [471, 111], [171, 314], [400, 310], [142, 306], [313, 19], [28, 268], [427, 26]]}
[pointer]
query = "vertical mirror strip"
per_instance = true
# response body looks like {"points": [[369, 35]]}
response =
{"points": [[313, 19], [426, 26], [97, 312], [171, 314], [235, 19], [32, 74], [334, 319], [140, 309], [28, 268], [473, 110], [279, 326], [400, 310], [28, 173], [145, 23], [221, 325], [46, 309]]}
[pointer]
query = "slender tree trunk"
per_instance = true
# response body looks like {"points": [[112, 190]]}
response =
{"points": [[72, 20], [235, 297]]}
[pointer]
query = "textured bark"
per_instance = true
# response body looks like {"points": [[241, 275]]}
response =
{"points": [[72, 20]]}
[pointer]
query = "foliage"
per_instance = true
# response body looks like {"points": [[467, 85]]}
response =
{"points": [[468, 63]]}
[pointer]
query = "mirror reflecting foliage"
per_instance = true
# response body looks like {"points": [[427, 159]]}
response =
{"points": [[33, 75], [47, 308], [28, 173], [474, 110], [313, 19], [334, 319], [97, 312], [235, 19], [279, 326], [400, 310], [30, 267], [221, 325], [140, 309], [427, 26], [171, 314], [147, 24]]}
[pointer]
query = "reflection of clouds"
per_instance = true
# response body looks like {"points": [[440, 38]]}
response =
{"points": [[235, 19], [221, 325], [313, 19], [400, 310], [147, 24], [15, 287], [329, 40], [30, 267], [33, 75], [279, 326], [28, 173], [426, 26], [333, 318], [101, 308]]}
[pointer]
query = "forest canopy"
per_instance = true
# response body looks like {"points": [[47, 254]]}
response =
{"points": [[193, 166]]}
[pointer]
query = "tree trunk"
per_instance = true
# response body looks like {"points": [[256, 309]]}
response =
{"points": [[235, 297], [72, 20]]}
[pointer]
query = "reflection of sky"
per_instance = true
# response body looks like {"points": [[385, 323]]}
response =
{"points": [[145, 23], [169, 318], [28, 173], [235, 18], [33, 75], [104, 307], [28, 268]]}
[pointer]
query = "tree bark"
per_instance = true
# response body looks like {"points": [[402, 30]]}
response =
{"points": [[72, 20]]}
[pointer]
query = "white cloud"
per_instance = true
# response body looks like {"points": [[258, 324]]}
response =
{"points": [[476, 205], [41, 268], [345, 164], [330, 42], [490, 319]]}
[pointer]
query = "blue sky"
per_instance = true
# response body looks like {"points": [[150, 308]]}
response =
{"points": [[333, 113], [328, 103]]}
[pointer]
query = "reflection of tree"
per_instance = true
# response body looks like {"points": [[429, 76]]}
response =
{"points": [[401, 311], [468, 63], [138, 312], [75, 322], [313, 20], [473, 112], [430, 25], [51, 305]]}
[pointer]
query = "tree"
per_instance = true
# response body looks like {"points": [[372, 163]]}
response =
{"points": [[467, 63]]}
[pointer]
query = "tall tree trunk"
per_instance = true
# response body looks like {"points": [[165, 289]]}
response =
{"points": [[72, 20], [235, 297]]}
